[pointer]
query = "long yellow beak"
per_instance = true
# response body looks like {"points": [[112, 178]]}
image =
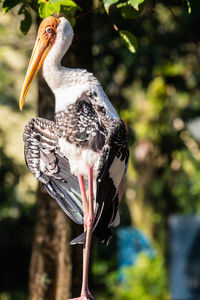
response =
{"points": [[40, 51]]}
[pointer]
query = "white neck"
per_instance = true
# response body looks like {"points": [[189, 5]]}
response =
{"points": [[52, 69], [70, 84]]}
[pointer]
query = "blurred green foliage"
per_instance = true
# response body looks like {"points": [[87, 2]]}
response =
{"points": [[16, 232], [146, 280], [128, 9], [157, 93], [17, 208]]}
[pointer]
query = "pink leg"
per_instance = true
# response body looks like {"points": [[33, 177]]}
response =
{"points": [[88, 223], [84, 199]]}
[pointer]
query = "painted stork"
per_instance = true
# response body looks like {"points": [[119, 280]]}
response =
{"points": [[81, 157]]}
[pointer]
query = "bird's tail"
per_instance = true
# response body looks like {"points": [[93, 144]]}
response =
{"points": [[104, 237], [79, 239]]}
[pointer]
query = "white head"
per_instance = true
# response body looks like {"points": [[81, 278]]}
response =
{"points": [[53, 39], [64, 34]]}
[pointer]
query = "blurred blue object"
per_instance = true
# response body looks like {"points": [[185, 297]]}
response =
{"points": [[185, 257], [131, 242]]}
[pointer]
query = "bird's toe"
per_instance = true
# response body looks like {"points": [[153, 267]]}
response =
{"points": [[89, 297]]}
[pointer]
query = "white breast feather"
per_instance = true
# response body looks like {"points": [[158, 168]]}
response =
{"points": [[67, 95], [79, 159]]}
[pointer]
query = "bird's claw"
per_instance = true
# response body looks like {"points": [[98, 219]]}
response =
{"points": [[87, 297], [80, 298], [90, 297]]}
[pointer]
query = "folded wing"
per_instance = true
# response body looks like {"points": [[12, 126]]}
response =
{"points": [[50, 168]]}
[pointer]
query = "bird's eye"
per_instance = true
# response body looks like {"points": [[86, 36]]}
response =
{"points": [[49, 30]]}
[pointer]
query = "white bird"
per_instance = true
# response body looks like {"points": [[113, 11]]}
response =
{"points": [[81, 157]]}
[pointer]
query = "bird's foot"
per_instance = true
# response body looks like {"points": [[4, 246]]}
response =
{"points": [[84, 297], [91, 297], [80, 298]]}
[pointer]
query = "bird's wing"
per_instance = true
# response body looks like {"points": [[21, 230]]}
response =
{"points": [[50, 168], [110, 179]]}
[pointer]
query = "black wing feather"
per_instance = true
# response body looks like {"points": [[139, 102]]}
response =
{"points": [[107, 193], [109, 139], [56, 178], [65, 201]]}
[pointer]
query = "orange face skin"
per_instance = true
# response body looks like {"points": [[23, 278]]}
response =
{"points": [[45, 39], [47, 29]]}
